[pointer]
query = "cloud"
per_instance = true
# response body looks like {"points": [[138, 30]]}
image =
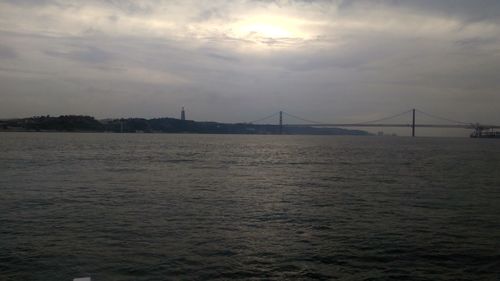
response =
{"points": [[7, 52], [88, 54], [222, 57], [232, 60]]}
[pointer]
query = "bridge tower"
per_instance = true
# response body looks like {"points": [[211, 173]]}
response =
{"points": [[413, 124], [281, 122], [183, 114]]}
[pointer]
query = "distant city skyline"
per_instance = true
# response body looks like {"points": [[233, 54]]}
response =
{"points": [[235, 61]]}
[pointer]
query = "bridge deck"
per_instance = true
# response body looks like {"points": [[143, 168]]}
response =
{"points": [[471, 126]]}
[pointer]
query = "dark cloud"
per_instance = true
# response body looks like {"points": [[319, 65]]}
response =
{"points": [[131, 7], [469, 11], [30, 2], [466, 10], [476, 42], [7, 52], [222, 57], [87, 54], [209, 14]]}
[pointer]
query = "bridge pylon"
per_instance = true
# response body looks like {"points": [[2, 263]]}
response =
{"points": [[413, 124], [281, 122]]}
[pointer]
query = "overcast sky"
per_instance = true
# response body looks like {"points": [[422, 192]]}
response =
{"points": [[233, 61]]}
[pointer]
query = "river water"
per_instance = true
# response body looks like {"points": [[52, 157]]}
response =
{"points": [[206, 207]]}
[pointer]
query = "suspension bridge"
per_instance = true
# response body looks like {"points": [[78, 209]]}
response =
{"points": [[382, 122]]}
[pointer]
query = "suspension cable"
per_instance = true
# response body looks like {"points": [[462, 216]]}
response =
{"points": [[262, 119], [385, 118], [442, 118], [366, 122], [302, 119]]}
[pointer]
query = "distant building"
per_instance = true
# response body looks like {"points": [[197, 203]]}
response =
{"points": [[183, 114]]}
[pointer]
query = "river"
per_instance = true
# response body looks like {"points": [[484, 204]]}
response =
{"points": [[220, 207]]}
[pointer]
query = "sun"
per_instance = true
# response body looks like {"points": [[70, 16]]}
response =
{"points": [[267, 30]]}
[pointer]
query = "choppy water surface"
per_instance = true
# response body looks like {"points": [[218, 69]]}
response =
{"points": [[200, 207]]}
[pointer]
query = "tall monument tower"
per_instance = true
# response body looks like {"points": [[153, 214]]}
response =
{"points": [[183, 114]]}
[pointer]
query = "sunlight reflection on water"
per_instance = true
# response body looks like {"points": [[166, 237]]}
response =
{"points": [[197, 207]]}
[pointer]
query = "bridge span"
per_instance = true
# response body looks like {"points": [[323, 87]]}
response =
{"points": [[387, 125], [452, 124]]}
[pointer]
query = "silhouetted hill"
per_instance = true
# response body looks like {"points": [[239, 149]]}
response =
{"points": [[78, 123], [62, 123]]}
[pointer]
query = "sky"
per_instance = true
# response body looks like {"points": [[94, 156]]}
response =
{"points": [[236, 61]]}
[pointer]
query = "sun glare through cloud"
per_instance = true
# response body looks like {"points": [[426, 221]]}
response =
{"points": [[270, 31], [266, 30]]}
